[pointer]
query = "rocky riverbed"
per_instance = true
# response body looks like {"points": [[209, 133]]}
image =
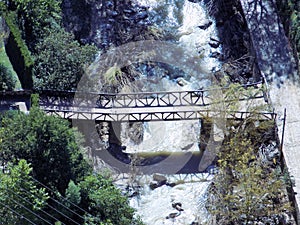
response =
{"points": [[168, 199]]}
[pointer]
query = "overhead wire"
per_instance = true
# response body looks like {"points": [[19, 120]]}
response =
{"points": [[56, 210], [76, 206], [51, 207], [30, 211], [19, 196], [20, 215]]}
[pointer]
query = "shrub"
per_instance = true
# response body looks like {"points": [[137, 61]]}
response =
{"points": [[105, 202], [47, 143], [11, 20], [61, 61], [7, 81]]}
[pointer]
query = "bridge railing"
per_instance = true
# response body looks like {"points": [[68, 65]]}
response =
{"points": [[201, 97], [64, 100]]}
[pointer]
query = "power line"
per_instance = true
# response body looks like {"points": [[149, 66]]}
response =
{"points": [[53, 208], [76, 206], [64, 215], [29, 210], [56, 210], [32, 203], [20, 215]]}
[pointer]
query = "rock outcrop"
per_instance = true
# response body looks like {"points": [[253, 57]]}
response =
{"points": [[105, 23]]}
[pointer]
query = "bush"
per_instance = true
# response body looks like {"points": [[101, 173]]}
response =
{"points": [[36, 16], [16, 189], [47, 143], [61, 61], [11, 20], [105, 202], [7, 81], [289, 11]]}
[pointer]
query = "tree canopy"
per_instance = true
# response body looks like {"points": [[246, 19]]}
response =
{"points": [[55, 159], [19, 195], [60, 61]]}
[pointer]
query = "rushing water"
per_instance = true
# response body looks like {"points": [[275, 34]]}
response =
{"points": [[182, 19]]}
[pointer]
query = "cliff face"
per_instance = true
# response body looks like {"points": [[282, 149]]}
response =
{"points": [[105, 23], [273, 51], [77, 18]]}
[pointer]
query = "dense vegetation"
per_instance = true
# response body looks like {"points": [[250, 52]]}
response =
{"points": [[289, 11], [246, 190], [250, 186], [38, 149], [7, 82], [49, 53]]}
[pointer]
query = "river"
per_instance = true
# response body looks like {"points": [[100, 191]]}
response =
{"points": [[183, 19]]}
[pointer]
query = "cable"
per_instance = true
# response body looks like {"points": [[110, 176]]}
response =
{"points": [[76, 206], [33, 204], [20, 215], [59, 203], [27, 209], [64, 215], [56, 210]]}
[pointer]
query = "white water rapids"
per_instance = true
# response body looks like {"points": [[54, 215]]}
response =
{"points": [[184, 22], [183, 18]]}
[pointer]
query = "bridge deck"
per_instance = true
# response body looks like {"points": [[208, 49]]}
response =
{"points": [[143, 106]]}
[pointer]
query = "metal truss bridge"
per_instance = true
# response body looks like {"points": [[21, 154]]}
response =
{"points": [[138, 106]]}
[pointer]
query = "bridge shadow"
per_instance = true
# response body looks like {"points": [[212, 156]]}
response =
{"points": [[150, 162]]}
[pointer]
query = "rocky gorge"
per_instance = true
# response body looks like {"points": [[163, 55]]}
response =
{"points": [[226, 50]]}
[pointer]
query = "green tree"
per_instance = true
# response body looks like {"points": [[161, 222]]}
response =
{"points": [[105, 202], [289, 12], [20, 198], [73, 193], [61, 61], [36, 16], [244, 191], [47, 143]]}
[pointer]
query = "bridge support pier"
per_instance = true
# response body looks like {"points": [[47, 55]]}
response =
{"points": [[115, 133]]}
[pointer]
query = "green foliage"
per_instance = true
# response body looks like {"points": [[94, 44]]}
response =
{"points": [[2, 7], [61, 61], [11, 20], [7, 81], [51, 148], [37, 16], [289, 11], [105, 202], [47, 143], [244, 191], [113, 75], [17, 189], [73, 193]]}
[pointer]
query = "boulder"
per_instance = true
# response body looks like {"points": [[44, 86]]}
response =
{"points": [[181, 82], [177, 206], [214, 43], [206, 24], [172, 184], [173, 214], [153, 185], [161, 179]]}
